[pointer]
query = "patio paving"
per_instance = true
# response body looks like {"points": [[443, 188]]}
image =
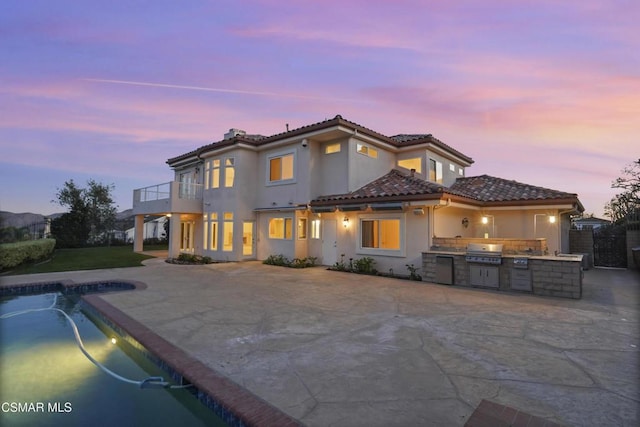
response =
{"points": [[332, 348]]}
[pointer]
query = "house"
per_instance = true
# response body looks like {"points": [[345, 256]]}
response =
{"points": [[154, 228], [589, 223], [337, 188]]}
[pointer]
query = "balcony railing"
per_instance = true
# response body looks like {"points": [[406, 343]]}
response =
{"points": [[168, 197]]}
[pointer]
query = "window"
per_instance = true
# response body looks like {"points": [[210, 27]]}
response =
{"points": [[367, 151], [414, 163], [460, 171], [280, 228], [380, 234], [229, 172], [207, 174], [302, 228], [315, 229], [227, 232], [332, 148], [435, 171], [205, 226], [215, 173], [281, 168], [452, 167], [211, 239]]}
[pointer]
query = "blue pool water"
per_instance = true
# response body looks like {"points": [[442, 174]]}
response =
{"points": [[45, 379]]}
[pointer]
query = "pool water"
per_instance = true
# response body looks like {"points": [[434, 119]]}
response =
{"points": [[46, 380]]}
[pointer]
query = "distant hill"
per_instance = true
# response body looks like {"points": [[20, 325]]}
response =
{"points": [[19, 220]]}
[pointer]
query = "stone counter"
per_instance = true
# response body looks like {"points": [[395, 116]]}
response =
{"points": [[558, 276]]}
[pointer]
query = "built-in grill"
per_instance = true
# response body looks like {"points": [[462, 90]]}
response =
{"points": [[484, 253]]}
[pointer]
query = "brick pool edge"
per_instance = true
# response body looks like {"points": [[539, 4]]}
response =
{"points": [[219, 391]]}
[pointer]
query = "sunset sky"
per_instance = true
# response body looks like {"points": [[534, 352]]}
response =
{"points": [[543, 92]]}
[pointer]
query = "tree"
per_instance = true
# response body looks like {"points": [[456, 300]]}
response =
{"points": [[91, 214], [627, 202]]}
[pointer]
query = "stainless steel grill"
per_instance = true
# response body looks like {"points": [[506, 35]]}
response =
{"points": [[484, 253]]}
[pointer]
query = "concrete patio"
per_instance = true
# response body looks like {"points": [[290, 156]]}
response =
{"points": [[332, 348]]}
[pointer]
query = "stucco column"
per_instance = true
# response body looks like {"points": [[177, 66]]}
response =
{"points": [[174, 236], [138, 233]]}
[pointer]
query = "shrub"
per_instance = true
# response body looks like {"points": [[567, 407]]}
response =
{"points": [[340, 265], [364, 265], [184, 258], [283, 261], [14, 254], [413, 273]]}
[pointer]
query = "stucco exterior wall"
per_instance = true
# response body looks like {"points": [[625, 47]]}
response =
{"points": [[364, 169]]}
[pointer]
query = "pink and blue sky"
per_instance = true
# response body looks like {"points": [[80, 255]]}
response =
{"points": [[539, 91]]}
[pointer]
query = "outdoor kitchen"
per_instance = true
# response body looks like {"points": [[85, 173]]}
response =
{"points": [[521, 265]]}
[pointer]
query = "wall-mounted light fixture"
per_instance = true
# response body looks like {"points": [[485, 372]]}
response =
{"points": [[345, 222], [485, 221], [418, 211], [465, 222], [550, 218], [168, 215]]}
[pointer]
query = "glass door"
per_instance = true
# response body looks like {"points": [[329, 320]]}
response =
{"points": [[248, 242]]}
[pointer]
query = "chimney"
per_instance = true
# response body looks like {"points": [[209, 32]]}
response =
{"points": [[233, 132]]}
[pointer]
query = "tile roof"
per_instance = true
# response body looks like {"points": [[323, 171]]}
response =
{"points": [[401, 140], [479, 190], [393, 185], [487, 188]]}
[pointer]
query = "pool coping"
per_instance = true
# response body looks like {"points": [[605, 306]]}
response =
{"points": [[234, 404]]}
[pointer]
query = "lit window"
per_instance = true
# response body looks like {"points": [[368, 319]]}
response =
{"points": [[302, 228], [367, 151], [435, 171], [281, 168], [380, 233], [215, 173], [332, 148], [205, 231], [280, 228], [229, 171], [415, 163], [207, 174], [315, 229], [227, 232], [213, 232]]}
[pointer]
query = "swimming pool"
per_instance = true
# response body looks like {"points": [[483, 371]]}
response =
{"points": [[47, 380]]}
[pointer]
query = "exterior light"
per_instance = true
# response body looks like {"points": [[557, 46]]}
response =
{"points": [[485, 221], [113, 340], [552, 219], [168, 215], [345, 222]]}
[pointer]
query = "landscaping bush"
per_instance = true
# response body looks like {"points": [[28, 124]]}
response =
{"points": [[184, 258], [361, 266], [413, 272], [364, 265], [283, 261], [14, 254]]}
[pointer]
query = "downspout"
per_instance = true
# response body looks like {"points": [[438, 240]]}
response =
{"points": [[433, 220], [560, 225]]}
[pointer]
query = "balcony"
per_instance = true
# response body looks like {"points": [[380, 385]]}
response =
{"points": [[170, 197]]}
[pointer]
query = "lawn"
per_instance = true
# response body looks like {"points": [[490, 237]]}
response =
{"points": [[85, 259]]}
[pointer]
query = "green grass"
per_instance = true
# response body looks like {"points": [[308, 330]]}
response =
{"points": [[85, 259]]}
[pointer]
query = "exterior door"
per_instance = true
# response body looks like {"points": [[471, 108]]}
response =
{"points": [[248, 242], [187, 229], [329, 242]]}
